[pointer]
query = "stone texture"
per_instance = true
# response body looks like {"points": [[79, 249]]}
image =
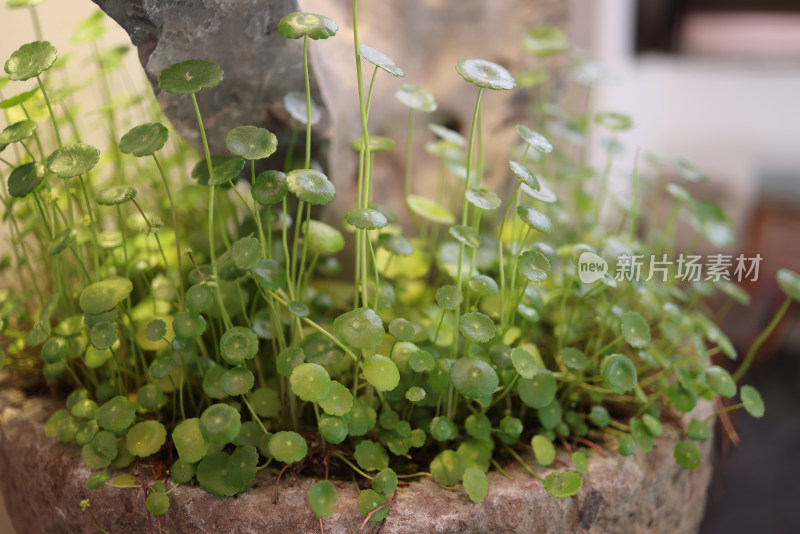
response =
{"points": [[43, 482], [425, 37]]}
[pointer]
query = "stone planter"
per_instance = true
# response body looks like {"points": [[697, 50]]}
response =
{"points": [[43, 483]]}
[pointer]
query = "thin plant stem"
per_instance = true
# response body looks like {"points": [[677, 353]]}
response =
{"points": [[308, 103], [748, 359], [174, 213]]}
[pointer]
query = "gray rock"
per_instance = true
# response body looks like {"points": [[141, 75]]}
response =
{"points": [[43, 484]]}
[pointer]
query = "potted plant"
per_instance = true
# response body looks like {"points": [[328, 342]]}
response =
{"points": [[203, 333]]}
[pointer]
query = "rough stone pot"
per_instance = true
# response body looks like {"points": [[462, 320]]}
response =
{"points": [[43, 483]]}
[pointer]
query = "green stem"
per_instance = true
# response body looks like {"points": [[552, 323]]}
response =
{"points": [[748, 359], [174, 226], [50, 109], [308, 103], [94, 230]]}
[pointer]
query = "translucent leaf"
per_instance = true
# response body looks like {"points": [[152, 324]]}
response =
{"points": [[381, 60], [543, 41], [543, 449], [296, 104], [429, 210], [534, 139], [635, 330], [449, 297], [310, 186], [465, 235], [720, 381], [752, 401], [534, 266], [310, 382], [17, 132], [377, 143], [482, 198], [524, 363], [30, 60], [574, 359], [483, 285], [299, 24], [365, 219], [523, 174], [381, 372], [105, 295], [416, 98], [535, 219], [789, 281], [563, 484]]}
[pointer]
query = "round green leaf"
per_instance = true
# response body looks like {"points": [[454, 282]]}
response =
{"points": [[30, 60], [73, 160], [477, 327], [380, 60], [788, 280], [157, 503], [265, 402], [190, 76], [360, 328], [465, 235], [698, 430], [443, 429], [653, 425], [619, 373], [238, 344], [288, 447], [482, 198], [246, 252], [105, 295], [478, 426], [227, 171], [212, 474], [682, 398], [338, 401], [752, 401], [369, 500], [524, 363], [365, 219], [720, 381], [550, 415], [574, 359], [415, 394], [534, 266], [102, 335], [332, 428], [237, 381], [535, 219], [295, 103], [182, 472], [97, 480], [543, 41], [310, 186], [146, 438], [298, 309], [251, 142], [402, 330], [376, 143], [416, 98], [447, 468], [627, 445], [189, 325], [483, 285], [220, 423], [149, 397], [485, 74], [688, 455], [635, 330], [475, 484], [116, 415], [544, 450], [118, 194], [536, 140], [473, 378], [269, 274], [144, 140], [288, 359], [381, 372], [17, 132], [449, 297], [299, 24], [310, 382], [323, 238], [371, 456], [24, 179], [396, 244], [524, 175], [269, 188], [614, 121], [54, 350], [385, 481], [580, 462], [429, 210], [563, 484], [98, 453], [199, 298], [322, 498]]}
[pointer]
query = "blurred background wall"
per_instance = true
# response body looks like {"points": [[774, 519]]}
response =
{"points": [[717, 81]]}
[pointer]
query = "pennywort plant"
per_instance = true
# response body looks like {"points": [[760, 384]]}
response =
{"points": [[230, 340]]}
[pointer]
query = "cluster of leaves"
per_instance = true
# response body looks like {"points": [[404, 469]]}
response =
{"points": [[451, 350]]}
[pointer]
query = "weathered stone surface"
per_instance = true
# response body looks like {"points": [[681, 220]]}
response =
{"points": [[43, 482], [426, 38]]}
